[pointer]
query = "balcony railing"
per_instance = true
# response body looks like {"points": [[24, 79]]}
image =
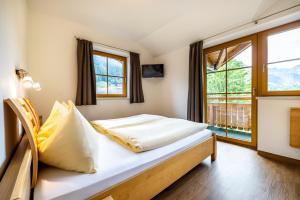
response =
{"points": [[238, 113]]}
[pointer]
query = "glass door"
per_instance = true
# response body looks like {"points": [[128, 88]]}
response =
{"points": [[230, 87]]}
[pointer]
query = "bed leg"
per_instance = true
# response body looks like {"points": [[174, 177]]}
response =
{"points": [[214, 154]]}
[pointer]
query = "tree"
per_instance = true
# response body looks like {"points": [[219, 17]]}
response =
{"points": [[238, 79]]}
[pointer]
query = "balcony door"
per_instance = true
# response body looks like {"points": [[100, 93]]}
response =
{"points": [[230, 90]]}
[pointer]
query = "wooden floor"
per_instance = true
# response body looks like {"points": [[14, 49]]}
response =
{"points": [[238, 173]]}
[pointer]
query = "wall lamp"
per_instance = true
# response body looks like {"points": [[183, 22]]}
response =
{"points": [[27, 81]]}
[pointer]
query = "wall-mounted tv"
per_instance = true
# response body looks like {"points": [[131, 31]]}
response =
{"points": [[154, 70]]}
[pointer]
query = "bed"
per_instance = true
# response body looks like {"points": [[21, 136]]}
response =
{"points": [[125, 175]]}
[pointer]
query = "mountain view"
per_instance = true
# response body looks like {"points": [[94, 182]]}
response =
{"points": [[109, 75], [284, 78]]}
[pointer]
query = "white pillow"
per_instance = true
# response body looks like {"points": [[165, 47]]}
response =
{"points": [[74, 145]]}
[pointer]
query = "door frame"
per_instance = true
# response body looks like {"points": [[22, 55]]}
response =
{"points": [[253, 39]]}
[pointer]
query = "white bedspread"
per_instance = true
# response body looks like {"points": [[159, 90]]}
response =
{"points": [[107, 124], [146, 132], [118, 165]]}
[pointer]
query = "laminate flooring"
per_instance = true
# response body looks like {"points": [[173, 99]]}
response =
{"points": [[238, 174]]}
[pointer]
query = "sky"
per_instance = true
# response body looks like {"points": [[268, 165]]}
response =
{"points": [[284, 46]]}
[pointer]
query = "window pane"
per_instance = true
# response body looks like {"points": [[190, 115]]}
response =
{"points": [[216, 113], [115, 85], [284, 76], [216, 98], [239, 55], [216, 82], [216, 61], [101, 84], [284, 46], [115, 67], [239, 80], [239, 116], [100, 64], [239, 98]]}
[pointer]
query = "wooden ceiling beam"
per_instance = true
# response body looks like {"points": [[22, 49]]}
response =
{"points": [[220, 60]]}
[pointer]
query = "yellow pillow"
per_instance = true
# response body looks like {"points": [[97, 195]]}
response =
{"points": [[65, 104], [74, 145], [68, 104], [57, 112]]}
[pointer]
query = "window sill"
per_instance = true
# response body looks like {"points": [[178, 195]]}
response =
{"points": [[278, 98], [112, 98]]}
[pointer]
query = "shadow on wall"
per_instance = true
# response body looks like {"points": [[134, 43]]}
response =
{"points": [[12, 135]]}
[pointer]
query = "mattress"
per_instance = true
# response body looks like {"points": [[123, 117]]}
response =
{"points": [[118, 164]]}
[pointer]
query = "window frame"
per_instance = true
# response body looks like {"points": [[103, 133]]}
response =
{"points": [[253, 39], [263, 60], [116, 57]]}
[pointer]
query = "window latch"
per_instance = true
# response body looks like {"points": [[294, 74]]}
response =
{"points": [[254, 92], [264, 66]]}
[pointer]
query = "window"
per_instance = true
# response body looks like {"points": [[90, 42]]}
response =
{"points": [[280, 61], [262, 64], [230, 75], [111, 75]]}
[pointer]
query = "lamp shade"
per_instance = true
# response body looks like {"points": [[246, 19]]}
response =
{"points": [[36, 86], [27, 82]]}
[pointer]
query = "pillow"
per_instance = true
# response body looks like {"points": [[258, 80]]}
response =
{"points": [[57, 110], [65, 104], [56, 114], [74, 145]]}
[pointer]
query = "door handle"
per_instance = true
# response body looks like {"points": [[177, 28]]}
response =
{"points": [[253, 91]]}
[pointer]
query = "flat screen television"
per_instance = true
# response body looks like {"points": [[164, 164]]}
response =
{"points": [[154, 70]]}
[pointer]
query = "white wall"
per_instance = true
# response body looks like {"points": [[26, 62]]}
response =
{"points": [[52, 62], [274, 125], [174, 87], [13, 14]]}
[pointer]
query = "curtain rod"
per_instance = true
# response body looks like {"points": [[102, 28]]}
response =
{"points": [[252, 22], [105, 45]]}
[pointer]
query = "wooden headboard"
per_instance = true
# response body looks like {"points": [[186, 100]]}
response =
{"points": [[24, 164], [16, 182]]}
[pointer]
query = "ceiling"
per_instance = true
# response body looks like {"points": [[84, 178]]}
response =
{"points": [[161, 25]]}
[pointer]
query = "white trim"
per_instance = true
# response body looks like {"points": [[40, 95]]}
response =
{"points": [[110, 50]]}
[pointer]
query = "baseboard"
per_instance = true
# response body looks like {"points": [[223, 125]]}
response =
{"points": [[278, 157]]}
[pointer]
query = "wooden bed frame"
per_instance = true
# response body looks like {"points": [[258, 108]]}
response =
{"points": [[22, 172]]}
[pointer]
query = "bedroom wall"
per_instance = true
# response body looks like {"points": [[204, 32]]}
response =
{"points": [[274, 125], [13, 15], [175, 85], [52, 62]]}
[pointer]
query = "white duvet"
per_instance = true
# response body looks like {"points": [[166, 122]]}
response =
{"points": [[145, 132]]}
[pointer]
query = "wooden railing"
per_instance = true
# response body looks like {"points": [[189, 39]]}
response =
{"points": [[238, 114]]}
